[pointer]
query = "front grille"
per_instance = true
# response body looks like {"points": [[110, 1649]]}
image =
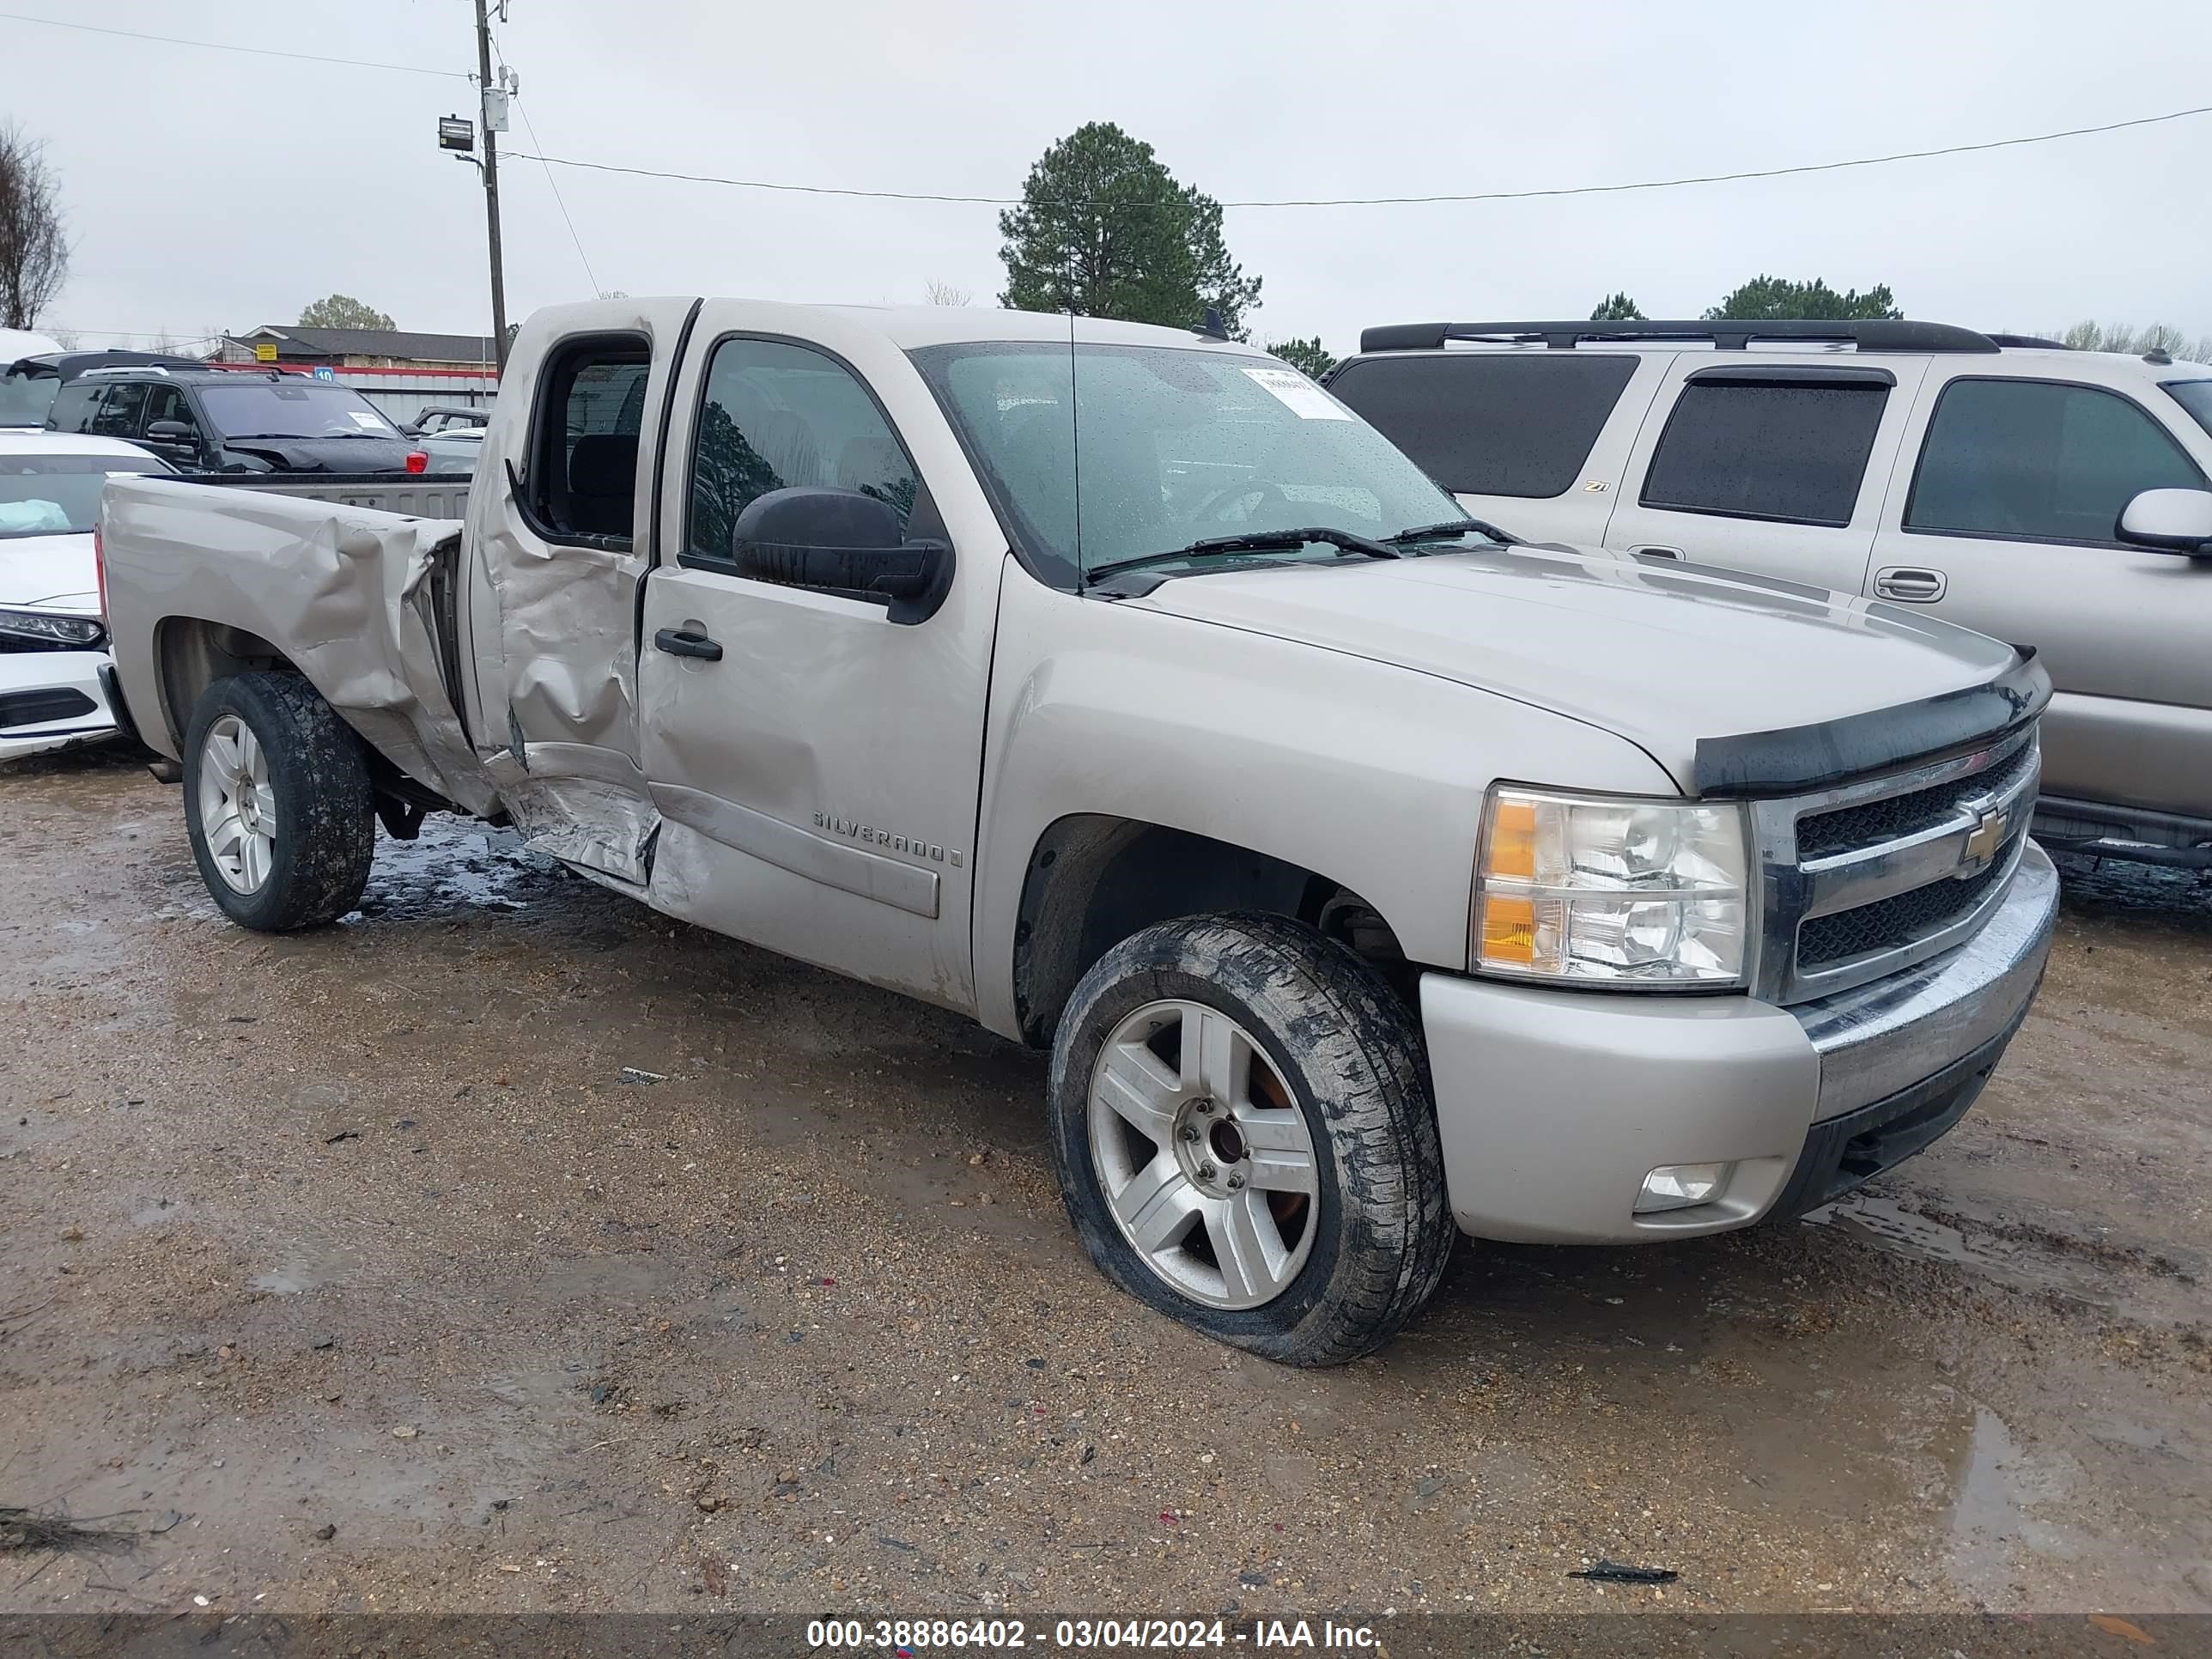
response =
{"points": [[1889, 923], [1821, 835], [37, 708], [1864, 879]]}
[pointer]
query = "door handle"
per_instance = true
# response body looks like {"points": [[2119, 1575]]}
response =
{"points": [[1653, 551], [1910, 582], [681, 642]]}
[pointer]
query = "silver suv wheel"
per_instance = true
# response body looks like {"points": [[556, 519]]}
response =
{"points": [[1206, 1164], [238, 806]]}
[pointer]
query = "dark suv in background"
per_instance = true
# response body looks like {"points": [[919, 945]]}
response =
{"points": [[214, 420]]}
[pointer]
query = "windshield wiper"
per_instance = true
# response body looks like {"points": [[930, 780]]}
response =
{"points": [[1255, 541], [1431, 533]]}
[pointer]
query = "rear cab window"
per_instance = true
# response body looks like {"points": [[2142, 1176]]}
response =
{"points": [[1768, 441], [582, 482], [1491, 423]]}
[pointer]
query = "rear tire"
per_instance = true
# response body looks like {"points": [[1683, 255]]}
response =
{"points": [[277, 803], [1246, 1140]]}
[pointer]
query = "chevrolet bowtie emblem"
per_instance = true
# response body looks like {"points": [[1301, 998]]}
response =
{"points": [[1988, 835]]}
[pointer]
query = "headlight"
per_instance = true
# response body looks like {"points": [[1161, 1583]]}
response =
{"points": [[44, 628], [1611, 891]]}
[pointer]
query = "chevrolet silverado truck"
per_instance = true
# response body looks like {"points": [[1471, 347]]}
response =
{"points": [[1369, 876]]}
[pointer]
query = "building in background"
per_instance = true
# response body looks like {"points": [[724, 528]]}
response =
{"points": [[398, 369]]}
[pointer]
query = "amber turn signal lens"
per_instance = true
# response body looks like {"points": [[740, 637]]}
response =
{"points": [[1509, 929], [1512, 841]]}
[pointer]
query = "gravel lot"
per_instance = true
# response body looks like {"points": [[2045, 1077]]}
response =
{"points": [[509, 1247]]}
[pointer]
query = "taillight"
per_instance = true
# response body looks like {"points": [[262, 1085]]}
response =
{"points": [[100, 570], [418, 460]]}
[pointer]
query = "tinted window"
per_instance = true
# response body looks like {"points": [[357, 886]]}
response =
{"points": [[2195, 397], [2038, 460], [119, 410], [583, 472], [778, 417], [73, 406], [1490, 423], [1766, 449]]}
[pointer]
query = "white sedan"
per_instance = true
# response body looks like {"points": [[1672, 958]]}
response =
{"points": [[52, 642]]}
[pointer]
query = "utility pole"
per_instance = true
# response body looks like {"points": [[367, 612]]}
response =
{"points": [[491, 183]]}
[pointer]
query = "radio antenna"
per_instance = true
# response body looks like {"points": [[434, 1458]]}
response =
{"points": [[1074, 434]]}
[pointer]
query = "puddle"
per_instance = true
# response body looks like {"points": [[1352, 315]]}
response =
{"points": [[2087, 1270], [302, 1271], [1991, 1523], [450, 866]]}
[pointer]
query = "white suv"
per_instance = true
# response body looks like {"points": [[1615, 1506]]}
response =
{"points": [[2034, 493]]}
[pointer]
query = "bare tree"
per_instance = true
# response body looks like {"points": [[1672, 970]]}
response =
{"points": [[33, 253], [2126, 337], [944, 293]]}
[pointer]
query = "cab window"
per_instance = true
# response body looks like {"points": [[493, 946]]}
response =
{"points": [[2039, 461], [583, 453], [775, 417]]}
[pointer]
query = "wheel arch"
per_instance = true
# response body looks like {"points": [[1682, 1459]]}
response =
{"points": [[191, 653], [1094, 879]]}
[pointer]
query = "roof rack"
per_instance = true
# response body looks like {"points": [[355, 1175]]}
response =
{"points": [[2033, 340], [1877, 334]]}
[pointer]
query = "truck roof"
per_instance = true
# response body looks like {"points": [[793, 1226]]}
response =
{"points": [[909, 326]]}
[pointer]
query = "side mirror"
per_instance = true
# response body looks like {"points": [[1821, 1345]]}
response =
{"points": [[844, 541], [2169, 521], [171, 432]]}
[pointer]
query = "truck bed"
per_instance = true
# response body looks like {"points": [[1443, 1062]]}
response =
{"points": [[422, 496], [206, 580]]}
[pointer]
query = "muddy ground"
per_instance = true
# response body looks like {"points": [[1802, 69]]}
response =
{"points": [[355, 1271]]}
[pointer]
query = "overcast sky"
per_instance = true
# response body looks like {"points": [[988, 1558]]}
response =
{"points": [[211, 190]]}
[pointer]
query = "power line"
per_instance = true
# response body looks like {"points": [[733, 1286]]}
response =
{"points": [[559, 200], [1405, 201], [221, 46]]}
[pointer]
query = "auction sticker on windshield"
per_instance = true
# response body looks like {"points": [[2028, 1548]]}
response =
{"points": [[1297, 394]]}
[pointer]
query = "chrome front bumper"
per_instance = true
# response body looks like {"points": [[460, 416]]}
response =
{"points": [[1552, 1106]]}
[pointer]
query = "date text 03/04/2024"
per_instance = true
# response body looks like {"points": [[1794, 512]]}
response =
{"points": [[920, 1636]]}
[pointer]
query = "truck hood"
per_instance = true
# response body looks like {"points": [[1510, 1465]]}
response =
{"points": [[49, 573], [362, 454], [1666, 656]]}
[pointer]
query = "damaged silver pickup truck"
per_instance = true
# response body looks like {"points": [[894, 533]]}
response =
{"points": [[1367, 875]]}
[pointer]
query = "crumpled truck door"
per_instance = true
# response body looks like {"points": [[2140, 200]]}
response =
{"points": [[562, 534]]}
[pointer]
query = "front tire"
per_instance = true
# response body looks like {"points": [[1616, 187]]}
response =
{"points": [[277, 803], [1242, 1127]]}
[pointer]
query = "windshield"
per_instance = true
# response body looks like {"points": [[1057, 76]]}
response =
{"points": [[2195, 397], [25, 398], [300, 409], [59, 494], [1175, 447]]}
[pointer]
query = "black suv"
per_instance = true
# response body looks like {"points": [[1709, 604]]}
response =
{"points": [[215, 420]]}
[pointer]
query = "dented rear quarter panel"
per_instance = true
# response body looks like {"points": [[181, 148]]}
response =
{"points": [[341, 592]]}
